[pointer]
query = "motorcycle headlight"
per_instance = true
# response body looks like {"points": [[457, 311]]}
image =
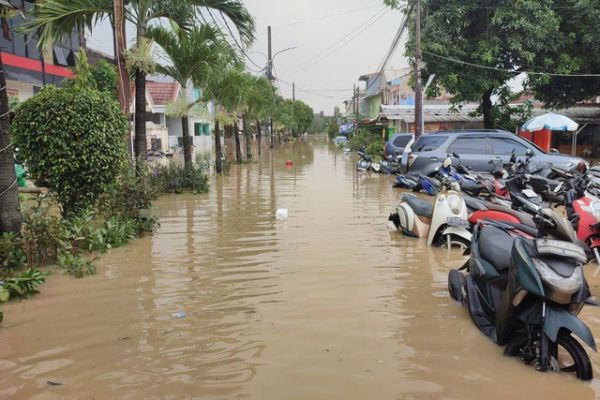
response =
{"points": [[561, 288], [455, 203]]}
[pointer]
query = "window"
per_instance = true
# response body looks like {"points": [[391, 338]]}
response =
{"points": [[469, 145], [401, 141], [428, 142], [503, 146]]}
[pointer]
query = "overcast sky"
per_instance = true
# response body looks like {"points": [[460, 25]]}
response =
{"points": [[336, 42]]}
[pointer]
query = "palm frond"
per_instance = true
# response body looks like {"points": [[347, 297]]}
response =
{"points": [[56, 19], [237, 12]]}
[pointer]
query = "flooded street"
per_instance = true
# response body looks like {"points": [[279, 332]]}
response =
{"points": [[328, 304]]}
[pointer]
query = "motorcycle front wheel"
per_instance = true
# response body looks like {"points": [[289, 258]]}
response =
{"points": [[567, 355]]}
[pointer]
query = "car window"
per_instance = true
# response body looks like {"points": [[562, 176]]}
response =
{"points": [[401, 141], [428, 142], [504, 146], [469, 145]]}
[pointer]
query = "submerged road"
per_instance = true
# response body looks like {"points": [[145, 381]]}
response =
{"points": [[328, 304]]}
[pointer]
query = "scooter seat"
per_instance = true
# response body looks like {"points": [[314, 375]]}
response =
{"points": [[471, 187], [421, 207], [475, 204], [495, 246]]}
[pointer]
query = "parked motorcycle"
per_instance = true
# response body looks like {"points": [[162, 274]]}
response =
{"points": [[528, 297], [407, 181], [444, 223], [364, 164]]}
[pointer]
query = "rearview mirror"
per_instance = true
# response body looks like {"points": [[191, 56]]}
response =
{"points": [[529, 153], [554, 151], [455, 155]]}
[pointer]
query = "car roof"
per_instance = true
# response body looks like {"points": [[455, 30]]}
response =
{"points": [[470, 131]]}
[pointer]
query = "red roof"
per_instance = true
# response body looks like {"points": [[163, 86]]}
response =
{"points": [[162, 92]]}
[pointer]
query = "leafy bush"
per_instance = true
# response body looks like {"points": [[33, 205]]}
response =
{"points": [[75, 264], [24, 285], [12, 255], [75, 140], [127, 196], [173, 178], [43, 233]]}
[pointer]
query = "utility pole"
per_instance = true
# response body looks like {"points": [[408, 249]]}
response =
{"points": [[293, 91], [356, 92], [270, 72], [418, 90]]}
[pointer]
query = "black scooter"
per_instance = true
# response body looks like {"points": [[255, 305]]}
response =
{"points": [[527, 298]]}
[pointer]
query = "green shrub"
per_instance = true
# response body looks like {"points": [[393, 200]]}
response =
{"points": [[173, 178], [24, 285], [12, 256], [75, 264], [75, 140], [43, 233], [127, 196]]}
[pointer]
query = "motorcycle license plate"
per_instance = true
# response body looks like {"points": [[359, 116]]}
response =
{"points": [[455, 221], [529, 193]]}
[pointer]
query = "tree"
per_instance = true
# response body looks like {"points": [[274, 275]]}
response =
{"points": [[192, 57], [101, 77], [294, 116], [575, 50], [74, 138], [498, 36], [260, 98], [226, 89], [10, 213], [56, 19]]}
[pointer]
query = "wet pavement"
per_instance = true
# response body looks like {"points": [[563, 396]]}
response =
{"points": [[328, 304]]}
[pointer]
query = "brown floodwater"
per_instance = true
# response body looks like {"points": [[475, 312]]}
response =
{"points": [[328, 304]]}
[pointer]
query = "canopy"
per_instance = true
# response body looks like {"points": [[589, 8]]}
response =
{"points": [[551, 121]]}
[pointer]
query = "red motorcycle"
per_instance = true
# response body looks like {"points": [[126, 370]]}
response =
{"points": [[583, 211]]}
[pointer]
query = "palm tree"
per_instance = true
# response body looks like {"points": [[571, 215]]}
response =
{"points": [[10, 213], [227, 89], [56, 19], [192, 56], [260, 100]]}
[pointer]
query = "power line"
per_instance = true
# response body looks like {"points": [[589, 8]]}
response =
{"points": [[328, 51], [326, 16], [507, 70], [313, 93]]}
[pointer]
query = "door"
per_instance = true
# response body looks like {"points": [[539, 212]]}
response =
{"points": [[503, 148], [473, 152]]}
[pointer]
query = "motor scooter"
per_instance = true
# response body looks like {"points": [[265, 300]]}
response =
{"points": [[408, 182], [444, 223], [528, 297], [583, 210], [364, 164]]}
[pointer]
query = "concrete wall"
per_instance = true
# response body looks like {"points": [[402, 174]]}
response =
{"points": [[25, 90]]}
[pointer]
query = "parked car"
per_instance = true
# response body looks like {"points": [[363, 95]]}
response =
{"points": [[341, 140], [476, 148], [396, 144]]}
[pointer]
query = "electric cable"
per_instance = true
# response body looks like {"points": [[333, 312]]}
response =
{"points": [[326, 16], [339, 44], [470, 64]]}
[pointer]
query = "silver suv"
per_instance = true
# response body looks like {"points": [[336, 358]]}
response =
{"points": [[476, 149]]}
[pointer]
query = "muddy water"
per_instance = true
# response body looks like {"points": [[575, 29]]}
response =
{"points": [[328, 304]]}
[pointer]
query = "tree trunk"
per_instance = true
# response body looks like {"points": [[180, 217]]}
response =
{"points": [[247, 136], [238, 147], [10, 213], [486, 110], [258, 138], [140, 117], [271, 138], [218, 152], [122, 73], [187, 143]]}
